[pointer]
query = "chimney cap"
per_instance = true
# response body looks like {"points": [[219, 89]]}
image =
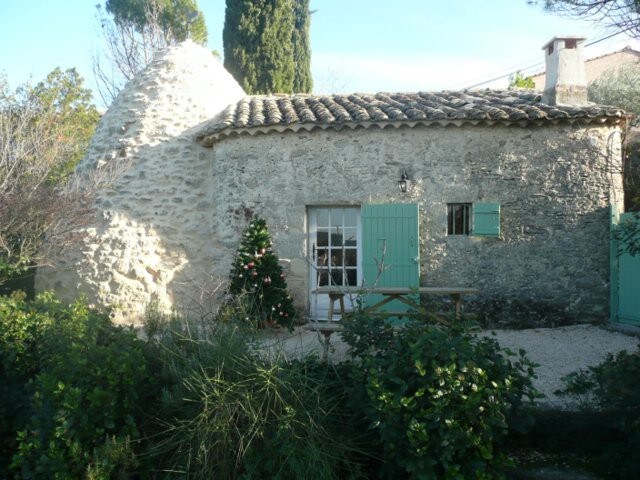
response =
{"points": [[577, 38]]}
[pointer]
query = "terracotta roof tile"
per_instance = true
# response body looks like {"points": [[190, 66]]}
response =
{"points": [[291, 112]]}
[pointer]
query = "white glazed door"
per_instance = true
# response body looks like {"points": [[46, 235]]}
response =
{"points": [[335, 255]]}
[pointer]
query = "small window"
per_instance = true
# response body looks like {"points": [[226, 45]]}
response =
{"points": [[458, 218]]}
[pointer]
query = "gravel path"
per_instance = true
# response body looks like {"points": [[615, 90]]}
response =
{"points": [[558, 351]]}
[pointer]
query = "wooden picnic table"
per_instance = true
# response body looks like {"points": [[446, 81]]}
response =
{"points": [[402, 294]]}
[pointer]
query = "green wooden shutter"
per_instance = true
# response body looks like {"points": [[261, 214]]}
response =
{"points": [[390, 243], [486, 219]]}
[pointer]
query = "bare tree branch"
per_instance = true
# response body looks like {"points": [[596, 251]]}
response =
{"points": [[132, 42], [40, 209], [619, 15]]}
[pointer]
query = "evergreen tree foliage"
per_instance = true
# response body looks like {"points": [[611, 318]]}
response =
{"points": [[134, 30], [260, 40], [65, 96], [179, 20], [302, 81], [257, 279]]}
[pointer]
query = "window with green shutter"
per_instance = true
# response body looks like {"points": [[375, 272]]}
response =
{"points": [[486, 219]]}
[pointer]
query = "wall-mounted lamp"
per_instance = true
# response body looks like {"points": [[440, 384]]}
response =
{"points": [[403, 183]]}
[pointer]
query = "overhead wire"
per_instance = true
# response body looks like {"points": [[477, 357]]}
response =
{"points": [[515, 69]]}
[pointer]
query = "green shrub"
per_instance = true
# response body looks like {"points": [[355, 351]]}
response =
{"points": [[81, 381], [439, 399], [229, 413], [610, 398], [20, 332]]}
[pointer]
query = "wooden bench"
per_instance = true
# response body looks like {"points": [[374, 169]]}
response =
{"points": [[326, 329]]}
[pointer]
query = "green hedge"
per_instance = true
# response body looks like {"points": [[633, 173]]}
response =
{"points": [[71, 390], [610, 397], [82, 398], [440, 399]]}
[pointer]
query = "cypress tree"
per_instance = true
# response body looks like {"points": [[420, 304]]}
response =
{"points": [[259, 38], [302, 81]]}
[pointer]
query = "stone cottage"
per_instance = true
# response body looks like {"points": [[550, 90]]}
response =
{"points": [[506, 191]]}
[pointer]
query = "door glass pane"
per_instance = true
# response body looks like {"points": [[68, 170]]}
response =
{"points": [[323, 277], [322, 218], [350, 237], [336, 277], [351, 217], [321, 257], [336, 217], [336, 258], [336, 237], [322, 238], [350, 257]]}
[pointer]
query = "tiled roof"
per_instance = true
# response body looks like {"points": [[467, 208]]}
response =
{"points": [[266, 113]]}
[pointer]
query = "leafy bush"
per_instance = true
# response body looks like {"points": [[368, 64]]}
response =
{"points": [[228, 412], [423, 402], [19, 335], [440, 399], [611, 399], [79, 381]]}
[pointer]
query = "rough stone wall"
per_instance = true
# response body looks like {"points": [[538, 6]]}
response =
{"points": [[150, 240], [170, 219], [554, 185]]}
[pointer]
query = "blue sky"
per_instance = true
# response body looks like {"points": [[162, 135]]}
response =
{"points": [[357, 45]]}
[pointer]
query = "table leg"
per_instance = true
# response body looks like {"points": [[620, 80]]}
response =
{"points": [[325, 344], [457, 302], [332, 300]]}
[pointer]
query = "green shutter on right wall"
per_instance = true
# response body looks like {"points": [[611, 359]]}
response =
{"points": [[486, 219]]}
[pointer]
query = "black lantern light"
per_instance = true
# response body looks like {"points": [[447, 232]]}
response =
{"points": [[403, 183]]}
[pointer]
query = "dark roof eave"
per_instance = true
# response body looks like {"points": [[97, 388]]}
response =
{"points": [[209, 139]]}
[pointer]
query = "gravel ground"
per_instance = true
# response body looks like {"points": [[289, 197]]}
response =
{"points": [[560, 351], [557, 351]]}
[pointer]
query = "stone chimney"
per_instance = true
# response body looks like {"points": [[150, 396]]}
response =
{"points": [[565, 78]]}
